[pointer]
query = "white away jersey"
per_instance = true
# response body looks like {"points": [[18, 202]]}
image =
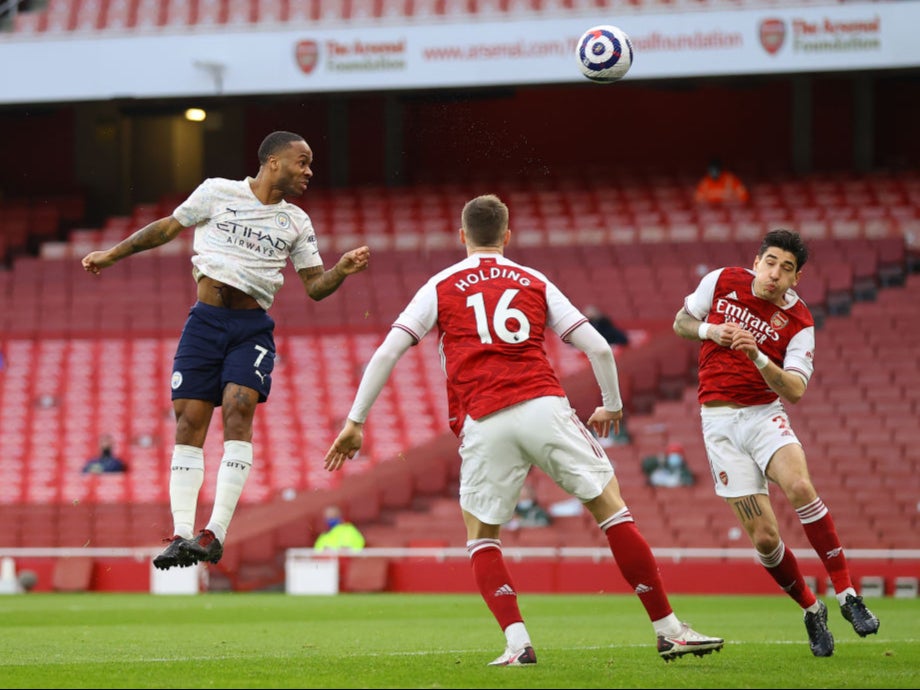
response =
{"points": [[492, 315], [785, 334], [244, 243]]}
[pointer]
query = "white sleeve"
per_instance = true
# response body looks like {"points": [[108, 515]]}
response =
{"points": [[197, 207], [378, 371], [699, 302], [586, 338], [800, 354], [561, 315]]}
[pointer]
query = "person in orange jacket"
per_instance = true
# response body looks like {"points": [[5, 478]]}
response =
{"points": [[720, 186]]}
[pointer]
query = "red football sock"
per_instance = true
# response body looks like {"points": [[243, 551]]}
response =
{"points": [[494, 581], [822, 534], [787, 575], [638, 565]]}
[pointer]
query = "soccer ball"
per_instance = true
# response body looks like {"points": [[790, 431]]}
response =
{"points": [[604, 53]]}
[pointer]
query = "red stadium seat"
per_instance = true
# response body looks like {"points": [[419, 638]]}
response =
{"points": [[89, 15]]}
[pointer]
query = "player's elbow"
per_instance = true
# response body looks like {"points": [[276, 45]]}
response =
{"points": [[315, 292], [677, 326], [599, 352], [794, 389], [793, 394]]}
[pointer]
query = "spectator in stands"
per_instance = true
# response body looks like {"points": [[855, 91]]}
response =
{"points": [[758, 345], [245, 233], [506, 402], [339, 534], [106, 461], [528, 512], [721, 186], [612, 333], [669, 468]]}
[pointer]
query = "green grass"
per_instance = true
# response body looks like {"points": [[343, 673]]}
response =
{"points": [[235, 640]]}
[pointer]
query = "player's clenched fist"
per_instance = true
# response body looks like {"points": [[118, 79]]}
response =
{"points": [[94, 262]]}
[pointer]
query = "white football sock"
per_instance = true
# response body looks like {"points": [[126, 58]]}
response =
{"points": [[185, 478], [669, 625], [842, 596], [517, 637], [231, 477]]}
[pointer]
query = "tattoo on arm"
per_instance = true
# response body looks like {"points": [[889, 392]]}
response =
{"points": [[780, 383], [325, 282], [153, 235]]}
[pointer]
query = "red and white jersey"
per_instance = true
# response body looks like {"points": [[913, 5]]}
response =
{"points": [[785, 334], [492, 315]]}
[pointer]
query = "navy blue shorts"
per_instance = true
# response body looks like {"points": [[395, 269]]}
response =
{"points": [[220, 346]]}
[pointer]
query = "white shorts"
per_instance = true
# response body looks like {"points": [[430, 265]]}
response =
{"points": [[740, 443], [498, 451]]}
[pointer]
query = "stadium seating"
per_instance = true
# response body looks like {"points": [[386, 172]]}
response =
{"points": [[862, 468], [68, 338], [27, 223], [90, 16]]}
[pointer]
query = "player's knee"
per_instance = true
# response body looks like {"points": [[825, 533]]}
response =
{"points": [[765, 537]]}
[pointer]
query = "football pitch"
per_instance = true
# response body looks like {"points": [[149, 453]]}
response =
{"points": [[273, 640]]}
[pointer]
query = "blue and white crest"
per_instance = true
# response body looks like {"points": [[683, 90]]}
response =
{"points": [[282, 220]]}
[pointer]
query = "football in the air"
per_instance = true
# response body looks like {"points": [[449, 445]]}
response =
{"points": [[604, 53]]}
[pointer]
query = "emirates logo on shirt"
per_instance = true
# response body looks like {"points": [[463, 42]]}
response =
{"points": [[744, 317], [779, 321], [723, 477]]}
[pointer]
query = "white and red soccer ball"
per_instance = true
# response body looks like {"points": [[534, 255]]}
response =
{"points": [[604, 53]]}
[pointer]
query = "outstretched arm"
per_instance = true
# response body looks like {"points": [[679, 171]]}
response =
{"points": [[320, 284], [153, 235], [376, 374]]}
